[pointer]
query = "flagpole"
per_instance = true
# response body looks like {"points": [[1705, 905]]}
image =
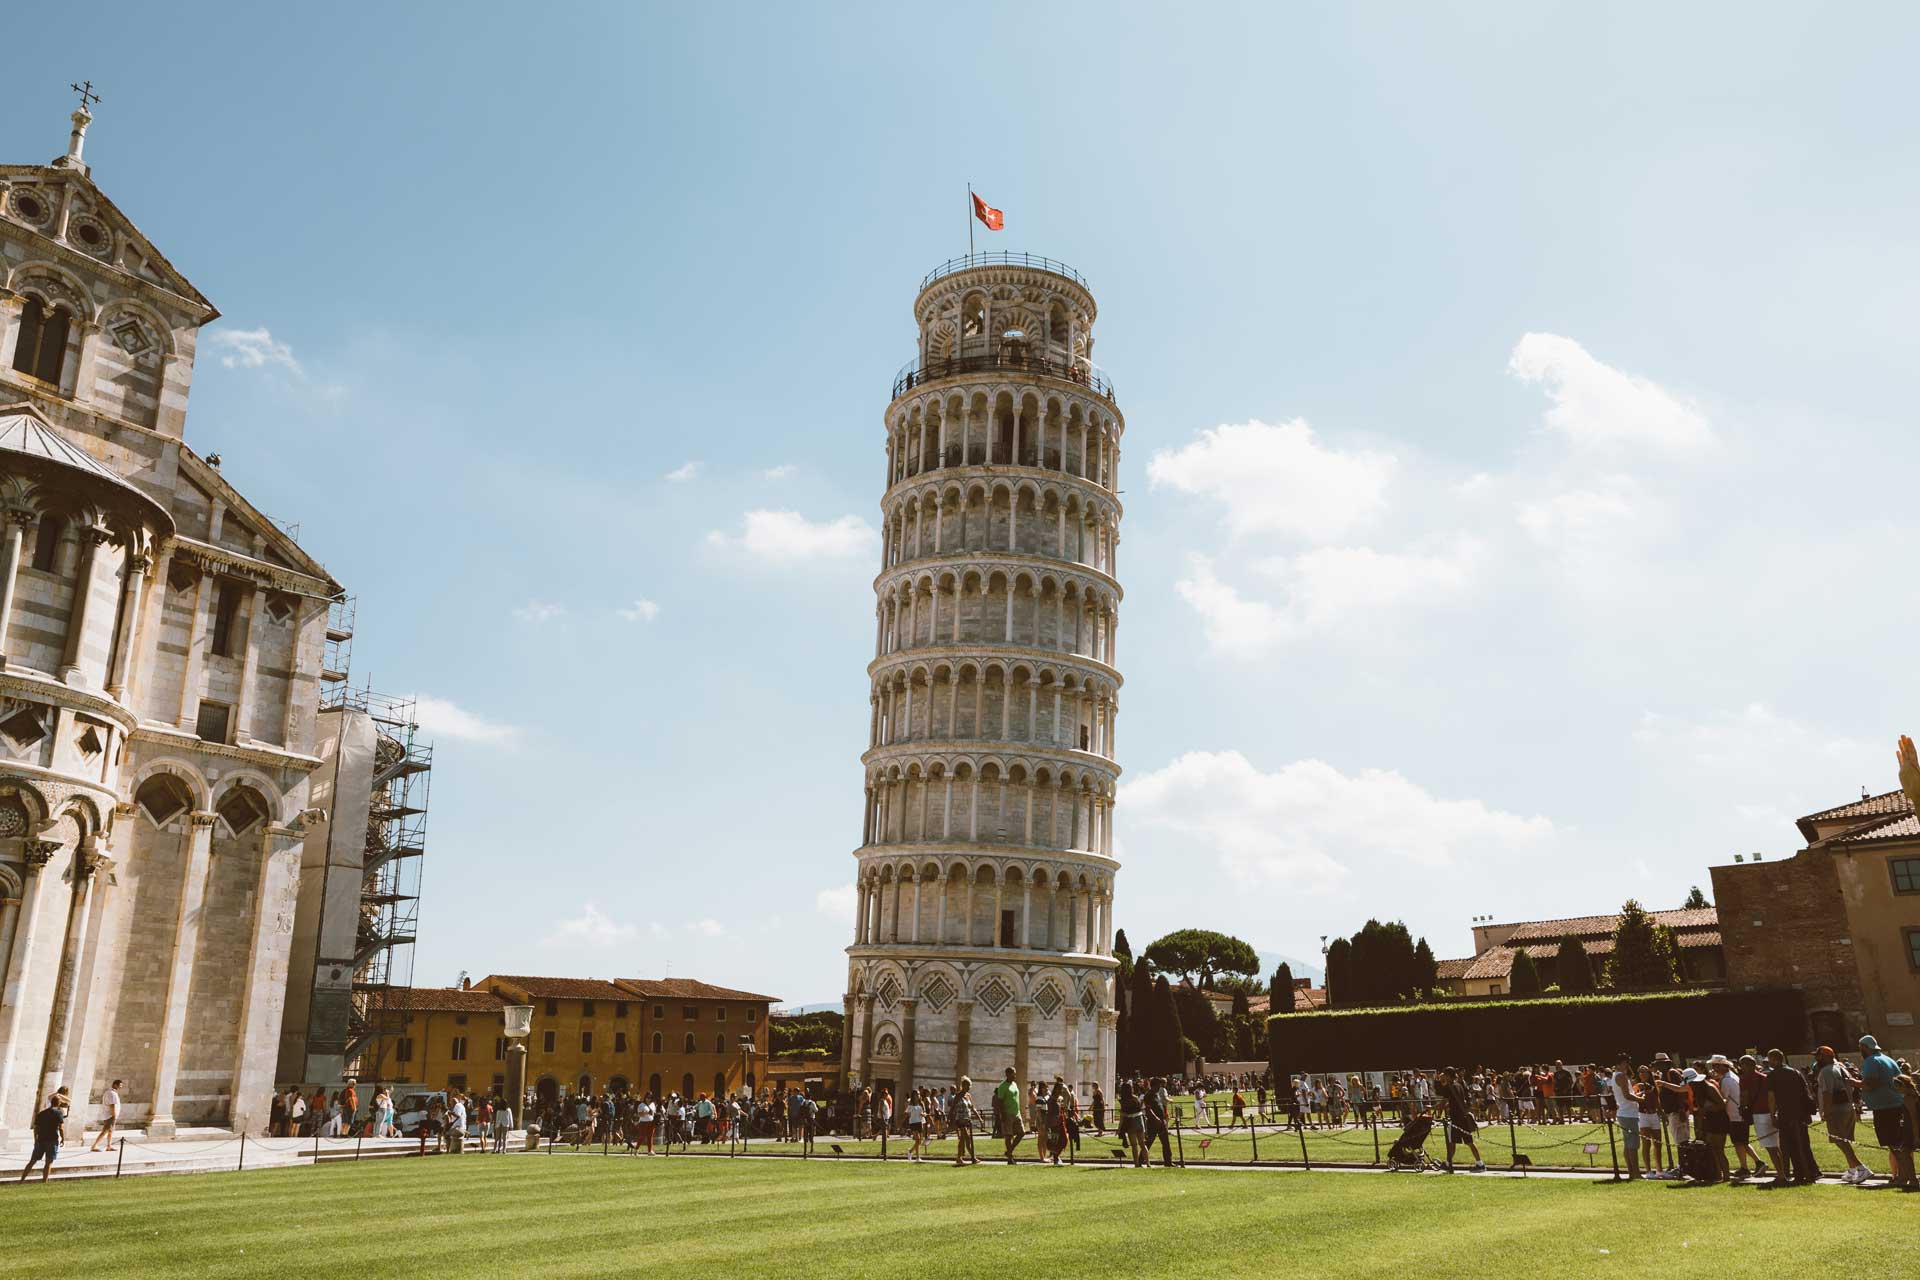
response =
{"points": [[969, 222]]}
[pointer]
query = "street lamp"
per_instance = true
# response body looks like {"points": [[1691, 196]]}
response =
{"points": [[518, 1019]]}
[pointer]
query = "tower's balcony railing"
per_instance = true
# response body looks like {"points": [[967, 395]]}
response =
{"points": [[972, 260], [1008, 358]]}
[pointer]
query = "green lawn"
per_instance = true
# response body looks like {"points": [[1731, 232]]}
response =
{"points": [[1545, 1145], [592, 1216]]}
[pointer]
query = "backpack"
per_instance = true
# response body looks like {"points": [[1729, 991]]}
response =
{"points": [[1697, 1163]]}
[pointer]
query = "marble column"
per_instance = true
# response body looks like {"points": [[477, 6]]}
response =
{"points": [[910, 1008], [1022, 1028], [90, 543], [186, 941], [250, 667], [84, 882], [963, 1013], [120, 661], [34, 891], [189, 714], [263, 999], [18, 522]]}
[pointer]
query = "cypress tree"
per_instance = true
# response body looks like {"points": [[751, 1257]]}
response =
{"points": [[1426, 971], [1169, 1047], [1571, 968], [1280, 995], [1340, 992], [1643, 952], [1524, 978]]}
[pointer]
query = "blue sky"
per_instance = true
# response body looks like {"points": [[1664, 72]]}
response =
{"points": [[1518, 467]]}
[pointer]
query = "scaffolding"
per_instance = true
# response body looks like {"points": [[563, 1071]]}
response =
{"points": [[339, 647], [389, 905]]}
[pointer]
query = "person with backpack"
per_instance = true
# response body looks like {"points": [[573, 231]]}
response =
{"points": [[47, 1125], [1709, 1107]]}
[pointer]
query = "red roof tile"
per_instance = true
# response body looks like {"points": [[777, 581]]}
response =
{"points": [[1879, 806], [1899, 826], [1454, 968], [688, 989], [558, 988], [1532, 931], [443, 999]]}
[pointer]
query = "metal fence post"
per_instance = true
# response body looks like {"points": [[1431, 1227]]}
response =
{"points": [[1179, 1140], [1305, 1159], [357, 1140], [316, 1146], [1373, 1123], [1513, 1132], [1254, 1130], [1613, 1151], [243, 1152], [123, 1157]]}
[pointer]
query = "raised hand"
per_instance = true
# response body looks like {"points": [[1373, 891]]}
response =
{"points": [[1909, 770]]}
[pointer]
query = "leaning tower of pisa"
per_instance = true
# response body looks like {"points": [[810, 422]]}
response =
{"points": [[985, 885]]}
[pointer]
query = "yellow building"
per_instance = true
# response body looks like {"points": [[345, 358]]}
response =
{"points": [[667, 1035], [448, 1038], [586, 1033]]}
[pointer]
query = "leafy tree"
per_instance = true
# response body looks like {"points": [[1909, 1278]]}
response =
{"points": [[1340, 987], [1695, 900], [806, 1032], [1198, 954], [1234, 984], [1280, 991], [1524, 978], [1571, 968], [1643, 952], [1122, 950]]}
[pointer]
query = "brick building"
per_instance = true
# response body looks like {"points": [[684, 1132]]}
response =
{"points": [[1839, 921], [1488, 972]]}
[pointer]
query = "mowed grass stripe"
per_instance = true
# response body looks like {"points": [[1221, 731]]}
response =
{"points": [[581, 1216]]}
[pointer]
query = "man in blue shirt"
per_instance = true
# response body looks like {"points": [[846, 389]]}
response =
{"points": [[1877, 1074]]}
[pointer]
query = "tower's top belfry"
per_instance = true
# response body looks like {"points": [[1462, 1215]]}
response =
{"points": [[986, 865]]}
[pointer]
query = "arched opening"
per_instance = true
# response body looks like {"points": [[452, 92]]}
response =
{"points": [[586, 1085], [689, 1046], [243, 808], [654, 1084], [618, 1086], [46, 542], [547, 1089], [719, 1084], [42, 348], [164, 797], [659, 1045], [686, 1085], [720, 1044]]}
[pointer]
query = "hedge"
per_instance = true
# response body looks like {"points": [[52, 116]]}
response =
{"points": [[1504, 1033]]}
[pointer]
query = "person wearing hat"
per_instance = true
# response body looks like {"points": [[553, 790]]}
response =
{"points": [[1672, 1098], [1834, 1083], [1739, 1128], [1891, 1126]]}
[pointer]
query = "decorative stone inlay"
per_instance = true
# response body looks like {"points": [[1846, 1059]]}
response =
{"points": [[888, 992], [31, 205], [1089, 1000], [995, 995], [887, 1046], [40, 852], [13, 816], [1048, 999], [937, 992], [90, 235]]}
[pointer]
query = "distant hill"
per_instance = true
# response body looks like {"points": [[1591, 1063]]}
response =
{"points": [[1271, 960]]}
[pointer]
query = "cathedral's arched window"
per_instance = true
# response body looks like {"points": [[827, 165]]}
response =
{"points": [[164, 797], [46, 542], [42, 348]]}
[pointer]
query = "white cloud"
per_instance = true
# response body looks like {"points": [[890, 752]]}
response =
{"points": [[251, 349], [640, 611], [1582, 516], [781, 472], [708, 928], [1277, 478], [1754, 741], [1307, 825], [787, 537], [591, 928], [1324, 588], [1596, 404], [683, 473], [539, 611], [841, 902], [440, 718]]}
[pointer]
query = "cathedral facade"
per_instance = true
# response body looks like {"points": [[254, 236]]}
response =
{"points": [[161, 669], [984, 929]]}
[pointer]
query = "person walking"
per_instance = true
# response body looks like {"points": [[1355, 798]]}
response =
{"points": [[1055, 1119], [1133, 1128], [502, 1125], [1156, 1109], [916, 1125], [883, 1116], [1892, 1126], [1099, 1112], [1833, 1084], [961, 1115], [1458, 1117], [47, 1125], [1006, 1109], [110, 1107]]}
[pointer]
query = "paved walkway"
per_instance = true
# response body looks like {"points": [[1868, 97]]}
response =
{"points": [[199, 1151]]}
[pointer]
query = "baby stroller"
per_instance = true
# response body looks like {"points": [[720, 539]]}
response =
{"points": [[1409, 1150]]}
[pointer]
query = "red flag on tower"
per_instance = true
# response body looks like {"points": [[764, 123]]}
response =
{"points": [[992, 217]]}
